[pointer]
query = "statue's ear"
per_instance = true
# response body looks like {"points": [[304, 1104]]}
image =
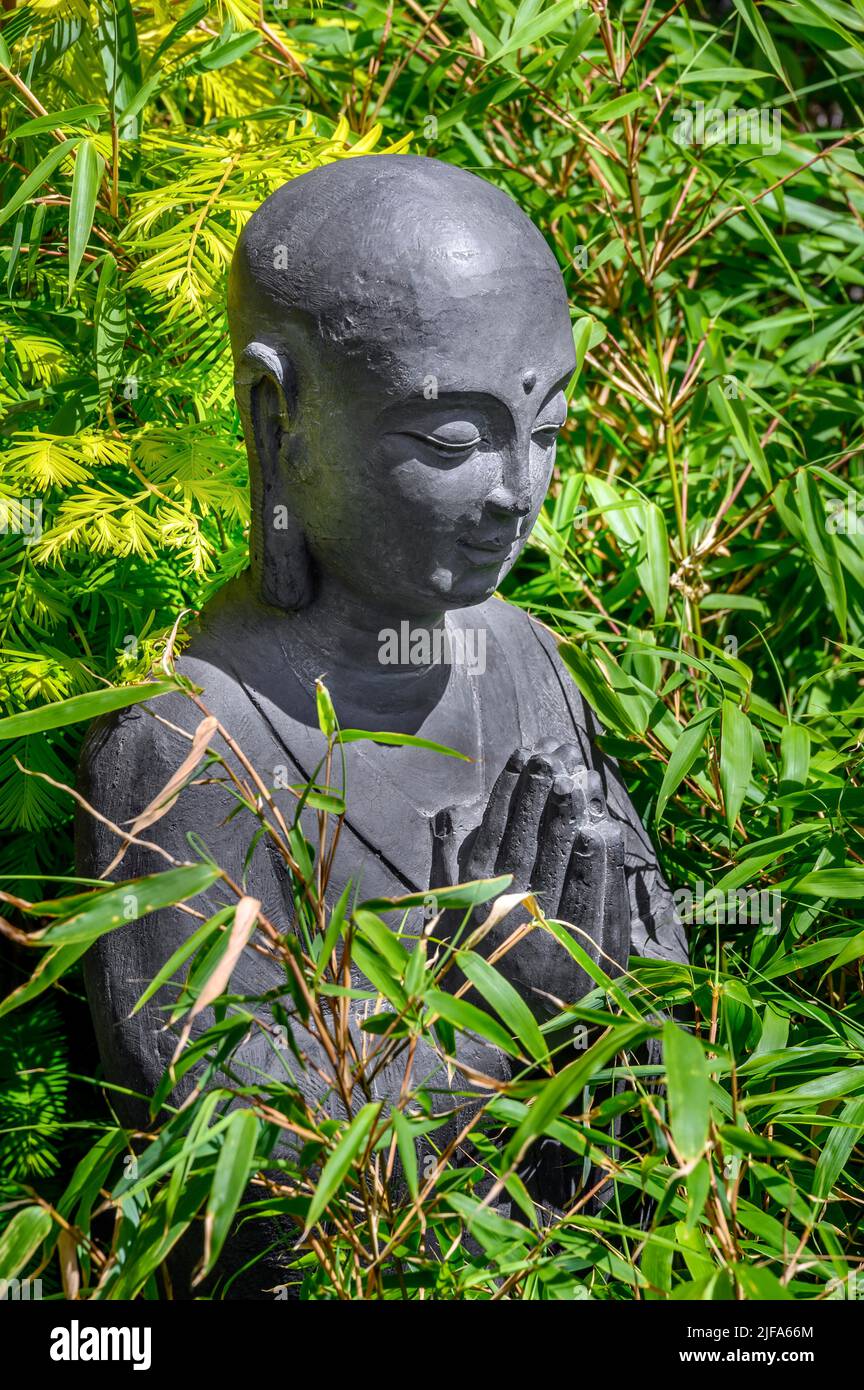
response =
{"points": [[266, 391], [265, 387]]}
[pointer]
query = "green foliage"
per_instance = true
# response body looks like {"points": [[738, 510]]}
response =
{"points": [[748, 1152], [124, 489], [700, 553], [34, 1078]]}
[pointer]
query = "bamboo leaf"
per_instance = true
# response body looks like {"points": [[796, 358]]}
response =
{"points": [[186, 949], [841, 1140], [117, 37], [335, 1170], [616, 108], [326, 713], [21, 1239], [689, 1091], [82, 205], [460, 897], [216, 982], [684, 755], [109, 322], [822, 546], [736, 759], [234, 1167], [51, 968], [81, 707], [596, 690], [407, 1152], [795, 757], [397, 741], [128, 902], [832, 883], [58, 120], [509, 1006], [654, 569], [528, 33], [556, 1095], [762, 34], [469, 1018], [40, 175]]}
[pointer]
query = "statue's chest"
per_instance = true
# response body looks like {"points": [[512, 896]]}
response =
{"points": [[392, 792], [484, 714]]}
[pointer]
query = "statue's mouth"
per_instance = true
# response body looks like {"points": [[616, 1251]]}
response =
{"points": [[486, 554]]}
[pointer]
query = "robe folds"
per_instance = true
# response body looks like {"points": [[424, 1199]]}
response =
{"points": [[385, 848]]}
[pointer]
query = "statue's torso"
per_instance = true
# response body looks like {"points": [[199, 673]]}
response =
{"points": [[243, 663]]}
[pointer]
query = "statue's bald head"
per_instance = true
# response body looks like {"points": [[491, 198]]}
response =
{"points": [[360, 252], [370, 302]]}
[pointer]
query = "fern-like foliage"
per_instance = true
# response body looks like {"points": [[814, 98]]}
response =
{"points": [[34, 1078], [123, 490]]}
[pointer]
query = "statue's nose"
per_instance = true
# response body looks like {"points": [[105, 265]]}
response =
{"points": [[512, 496], [505, 503]]}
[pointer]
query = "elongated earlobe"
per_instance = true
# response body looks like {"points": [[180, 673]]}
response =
{"points": [[265, 388]]}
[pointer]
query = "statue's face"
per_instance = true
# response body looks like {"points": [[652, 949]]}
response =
{"points": [[428, 456]]}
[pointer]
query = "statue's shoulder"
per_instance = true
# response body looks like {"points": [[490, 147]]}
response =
{"points": [[128, 750], [519, 632], [531, 650], [125, 753], [512, 624]]}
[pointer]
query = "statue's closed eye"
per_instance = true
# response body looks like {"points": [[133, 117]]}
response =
{"points": [[546, 434], [450, 439], [457, 438], [550, 421]]}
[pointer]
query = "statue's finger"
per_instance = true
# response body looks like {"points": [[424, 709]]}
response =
{"points": [[569, 755], [616, 909], [595, 900], [583, 896], [445, 868], [580, 795], [519, 845], [483, 853], [551, 748], [444, 873], [561, 819], [594, 795]]}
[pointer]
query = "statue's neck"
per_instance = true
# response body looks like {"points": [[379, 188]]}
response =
{"points": [[373, 657], [349, 627]]}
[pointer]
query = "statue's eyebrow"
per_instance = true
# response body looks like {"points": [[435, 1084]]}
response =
{"points": [[454, 401], [550, 400], [451, 402], [560, 415]]}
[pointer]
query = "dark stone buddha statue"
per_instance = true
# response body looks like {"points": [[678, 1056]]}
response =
{"points": [[402, 344]]}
